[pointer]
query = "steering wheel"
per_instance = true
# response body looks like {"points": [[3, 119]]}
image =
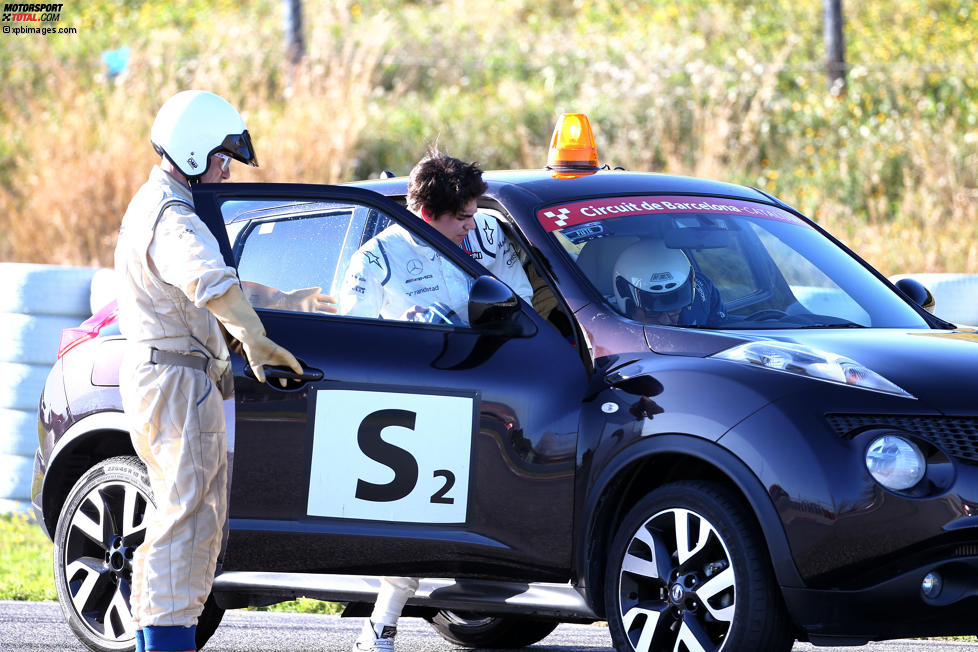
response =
{"points": [[769, 314]]}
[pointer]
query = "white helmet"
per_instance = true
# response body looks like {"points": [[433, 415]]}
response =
{"points": [[653, 277], [192, 125]]}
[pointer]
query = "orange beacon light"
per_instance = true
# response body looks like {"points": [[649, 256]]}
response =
{"points": [[572, 146]]}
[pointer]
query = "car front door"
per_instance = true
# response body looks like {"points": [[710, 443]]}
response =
{"points": [[408, 448]]}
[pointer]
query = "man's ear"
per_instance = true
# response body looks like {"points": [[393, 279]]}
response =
{"points": [[425, 213]]}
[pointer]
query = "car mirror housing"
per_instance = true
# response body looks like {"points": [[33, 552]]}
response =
{"points": [[494, 306], [917, 292]]}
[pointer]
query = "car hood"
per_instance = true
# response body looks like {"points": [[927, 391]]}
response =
{"points": [[940, 368]]}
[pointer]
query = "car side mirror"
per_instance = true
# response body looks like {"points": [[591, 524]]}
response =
{"points": [[494, 306], [918, 293]]}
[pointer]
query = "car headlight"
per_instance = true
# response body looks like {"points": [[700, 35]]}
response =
{"points": [[806, 361], [895, 462]]}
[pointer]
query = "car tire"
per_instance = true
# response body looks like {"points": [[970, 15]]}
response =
{"points": [[101, 524], [688, 564], [483, 631]]}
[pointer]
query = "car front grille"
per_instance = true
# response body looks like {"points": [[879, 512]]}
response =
{"points": [[958, 436]]}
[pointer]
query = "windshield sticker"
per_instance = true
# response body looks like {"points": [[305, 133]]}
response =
{"points": [[585, 232], [587, 212]]}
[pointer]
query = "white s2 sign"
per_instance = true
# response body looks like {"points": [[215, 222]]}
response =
{"points": [[391, 456]]}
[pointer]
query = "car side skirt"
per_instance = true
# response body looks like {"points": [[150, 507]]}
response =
{"points": [[235, 589]]}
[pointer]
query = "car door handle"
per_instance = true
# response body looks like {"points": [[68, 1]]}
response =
{"points": [[308, 373]]}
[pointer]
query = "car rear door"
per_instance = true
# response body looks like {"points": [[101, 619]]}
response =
{"points": [[411, 448]]}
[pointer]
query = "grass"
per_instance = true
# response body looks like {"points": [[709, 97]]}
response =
{"points": [[306, 606], [25, 560]]}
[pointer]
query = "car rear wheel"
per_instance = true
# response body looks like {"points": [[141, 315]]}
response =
{"points": [[101, 525], [482, 631], [688, 568]]}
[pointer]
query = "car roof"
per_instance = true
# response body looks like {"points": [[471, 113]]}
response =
{"points": [[547, 188], [544, 186]]}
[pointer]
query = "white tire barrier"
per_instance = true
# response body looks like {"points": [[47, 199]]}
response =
{"points": [[18, 432], [32, 339], [15, 477], [21, 385], [104, 289], [955, 295], [37, 302], [16, 507], [45, 289]]}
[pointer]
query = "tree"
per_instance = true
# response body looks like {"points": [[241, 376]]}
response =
{"points": [[295, 47], [835, 49]]}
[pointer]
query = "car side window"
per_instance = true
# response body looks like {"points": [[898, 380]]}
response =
{"points": [[286, 259], [543, 299], [371, 266]]}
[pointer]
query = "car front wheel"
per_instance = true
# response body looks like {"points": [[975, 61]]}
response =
{"points": [[483, 631], [689, 571], [101, 525]]}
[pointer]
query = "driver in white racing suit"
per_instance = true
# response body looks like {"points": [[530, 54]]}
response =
{"points": [[174, 289], [398, 276]]}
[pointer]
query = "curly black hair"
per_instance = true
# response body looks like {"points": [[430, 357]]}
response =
{"points": [[443, 184]]}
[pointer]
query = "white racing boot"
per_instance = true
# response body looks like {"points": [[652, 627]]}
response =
{"points": [[375, 638]]}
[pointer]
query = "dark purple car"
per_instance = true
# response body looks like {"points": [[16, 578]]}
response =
{"points": [[804, 466]]}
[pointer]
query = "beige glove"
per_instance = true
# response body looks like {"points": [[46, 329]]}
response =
{"points": [[302, 300], [306, 300], [240, 320]]}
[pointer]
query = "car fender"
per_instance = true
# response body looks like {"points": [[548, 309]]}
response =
{"points": [[603, 509], [86, 442]]}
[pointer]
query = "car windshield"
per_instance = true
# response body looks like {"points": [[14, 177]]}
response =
{"points": [[720, 263]]}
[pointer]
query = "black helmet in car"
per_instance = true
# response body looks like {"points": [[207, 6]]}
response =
{"points": [[653, 277]]}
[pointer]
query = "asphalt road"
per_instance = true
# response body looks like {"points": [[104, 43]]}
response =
{"points": [[39, 626]]}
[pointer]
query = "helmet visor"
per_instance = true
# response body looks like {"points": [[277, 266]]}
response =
{"points": [[660, 299], [239, 146]]}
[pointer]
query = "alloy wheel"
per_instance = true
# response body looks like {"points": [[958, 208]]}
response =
{"points": [[676, 585], [104, 531]]}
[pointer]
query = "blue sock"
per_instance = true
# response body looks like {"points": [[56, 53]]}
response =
{"points": [[170, 638], [140, 642]]}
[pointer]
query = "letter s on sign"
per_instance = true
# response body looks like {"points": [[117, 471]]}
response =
{"points": [[403, 464]]}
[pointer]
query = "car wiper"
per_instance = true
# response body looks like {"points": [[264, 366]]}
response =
{"points": [[845, 325]]}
